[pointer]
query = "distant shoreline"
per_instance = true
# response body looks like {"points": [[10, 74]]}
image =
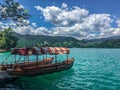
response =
{"points": [[94, 48]]}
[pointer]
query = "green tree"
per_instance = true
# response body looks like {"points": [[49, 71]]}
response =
{"points": [[9, 40], [13, 11], [10, 10]]}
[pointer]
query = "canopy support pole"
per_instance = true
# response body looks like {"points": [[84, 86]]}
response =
{"points": [[67, 58], [5, 60], [56, 61], [55, 58], [36, 58], [43, 56], [15, 58], [46, 56], [24, 58], [18, 59], [28, 59]]}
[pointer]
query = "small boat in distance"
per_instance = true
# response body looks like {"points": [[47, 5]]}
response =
{"points": [[1, 51], [28, 67]]}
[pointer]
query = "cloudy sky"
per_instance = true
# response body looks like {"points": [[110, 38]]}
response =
{"points": [[82, 19]]}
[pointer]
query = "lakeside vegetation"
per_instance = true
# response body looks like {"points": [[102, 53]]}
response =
{"points": [[7, 39], [41, 41], [10, 39]]}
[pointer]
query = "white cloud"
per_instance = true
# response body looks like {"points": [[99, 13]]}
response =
{"points": [[4, 25], [116, 31], [77, 22], [106, 33], [63, 17], [31, 30], [34, 24], [23, 22], [37, 7], [64, 5], [91, 36], [94, 24], [4, 10], [20, 6], [42, 31], [118, 23], [24, 30]]}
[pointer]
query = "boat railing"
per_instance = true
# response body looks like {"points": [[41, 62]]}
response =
{"points": [[10, 60], [32, 63], [4, 60], [67, 61]]}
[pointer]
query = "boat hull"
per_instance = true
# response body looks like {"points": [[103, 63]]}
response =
{"points": [[45, 69], [26, 64]]}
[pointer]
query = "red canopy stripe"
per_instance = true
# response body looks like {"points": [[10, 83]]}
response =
{"points": [[43, 50], [54, 50]]}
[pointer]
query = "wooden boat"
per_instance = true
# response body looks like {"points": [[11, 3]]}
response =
{"points": [[1, 51], [38, 67], [23, 64]]}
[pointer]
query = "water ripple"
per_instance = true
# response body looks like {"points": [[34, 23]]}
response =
{"points": [[94, 69]]}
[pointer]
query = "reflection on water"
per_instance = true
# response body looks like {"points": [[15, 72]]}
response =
{"points": [[42, 82]]}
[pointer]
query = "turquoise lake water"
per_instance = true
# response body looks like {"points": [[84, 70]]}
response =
{"points": [[94, 69]]}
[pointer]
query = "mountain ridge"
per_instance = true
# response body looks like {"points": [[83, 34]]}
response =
{"points": [[101, 39], [39, 40]]}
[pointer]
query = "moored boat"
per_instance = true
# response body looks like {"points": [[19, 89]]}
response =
{"points": [[37, 66], [1, 51]]}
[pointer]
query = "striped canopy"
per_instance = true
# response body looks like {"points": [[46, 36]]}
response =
{"points": [[54, 50], [25, 51], [38, 51]]}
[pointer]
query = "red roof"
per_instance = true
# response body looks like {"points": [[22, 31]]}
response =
{"points": [[43, 50], [54, 50], [24, 51]]}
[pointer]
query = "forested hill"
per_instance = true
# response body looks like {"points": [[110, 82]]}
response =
{"points": [[42, 40], [101, 39], [110, 42]]}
